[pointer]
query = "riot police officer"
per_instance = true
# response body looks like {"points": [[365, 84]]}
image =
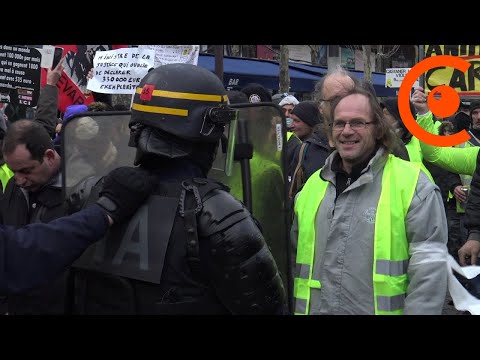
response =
{"points": [[192, 248]]}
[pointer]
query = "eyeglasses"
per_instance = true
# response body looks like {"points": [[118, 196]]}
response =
{"points": [[339, 125]]}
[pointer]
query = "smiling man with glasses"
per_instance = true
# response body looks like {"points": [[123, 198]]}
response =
{"points": [[369, 228]]}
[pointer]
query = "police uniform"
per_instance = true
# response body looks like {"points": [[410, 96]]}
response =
{"points": [[192, 248]]}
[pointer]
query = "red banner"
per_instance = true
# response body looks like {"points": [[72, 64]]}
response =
{"points": [[77, 64]]}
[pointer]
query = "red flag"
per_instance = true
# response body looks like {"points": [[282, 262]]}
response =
{"points": [[77, 64]]}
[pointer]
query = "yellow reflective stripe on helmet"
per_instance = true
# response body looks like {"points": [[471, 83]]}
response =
{"points": [[187, 96], [160, 110]]}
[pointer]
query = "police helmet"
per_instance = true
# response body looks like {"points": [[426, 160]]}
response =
{"points": [[183, 100]]}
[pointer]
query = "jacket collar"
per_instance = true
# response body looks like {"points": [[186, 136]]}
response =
{"points": [[367, 174]]}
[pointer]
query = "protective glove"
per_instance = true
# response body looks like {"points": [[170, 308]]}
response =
{"points": [[124, 190]]}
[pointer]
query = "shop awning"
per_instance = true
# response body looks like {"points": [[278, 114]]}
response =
{"points": [[238, 72]]}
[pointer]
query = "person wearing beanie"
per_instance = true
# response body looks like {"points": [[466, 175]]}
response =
{"points": [[474, 130], [288, 100], [69, 112], [462, 119], [392, 113], [311, 156], [305, 116], [256, 93], [287, 104]]}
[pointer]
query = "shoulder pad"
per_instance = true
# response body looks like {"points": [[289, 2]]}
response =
{"points": [[220, 211]]}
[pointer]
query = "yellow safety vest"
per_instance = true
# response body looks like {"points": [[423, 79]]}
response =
{"points": [[414, 150], [5, 175], [390, 256], [415, 154]]}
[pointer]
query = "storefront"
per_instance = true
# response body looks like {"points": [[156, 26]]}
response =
{"points": [[238, 72]]}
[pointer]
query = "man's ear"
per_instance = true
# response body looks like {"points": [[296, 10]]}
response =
{"points": [[330, 140], [49, 155]]}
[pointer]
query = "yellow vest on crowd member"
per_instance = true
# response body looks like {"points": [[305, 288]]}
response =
{"points": [[290, 134], [415, 154], [390, 256], [5, 175], [414, 150]]}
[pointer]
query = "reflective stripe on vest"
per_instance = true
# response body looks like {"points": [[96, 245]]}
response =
{"points": [[5, 175], [290, 134], [390, 257], [306, 207]]}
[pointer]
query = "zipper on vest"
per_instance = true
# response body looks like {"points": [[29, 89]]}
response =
{"points": [[348, 181]]}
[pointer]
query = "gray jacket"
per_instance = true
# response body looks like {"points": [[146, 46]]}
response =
{"points": [[344, 246]]}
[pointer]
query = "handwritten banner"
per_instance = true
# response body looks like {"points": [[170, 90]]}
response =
{"points": [[120, 71], [168, 54], [20, 70], [78, 62]]}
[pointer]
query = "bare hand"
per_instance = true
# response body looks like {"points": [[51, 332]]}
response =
{"points": [[468, 253], [419, 101], [459, 194], [53, 75], [89, 76]]}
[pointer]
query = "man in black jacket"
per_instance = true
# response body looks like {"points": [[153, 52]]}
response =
{"points": [[33, 194], [34, 254], [469, 252]]}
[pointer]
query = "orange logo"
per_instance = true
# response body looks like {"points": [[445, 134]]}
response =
{"points": [[443, 106]]}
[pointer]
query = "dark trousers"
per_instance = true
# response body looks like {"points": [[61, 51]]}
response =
{"points": [[457, 233]]}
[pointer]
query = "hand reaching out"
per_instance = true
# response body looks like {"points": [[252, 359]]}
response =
{"points": [[468, 253], [53, 75], [419, 101], [89, 76]]}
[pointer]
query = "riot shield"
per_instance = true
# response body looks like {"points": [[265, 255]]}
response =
{"points": [[258, 176], [93, 144]]}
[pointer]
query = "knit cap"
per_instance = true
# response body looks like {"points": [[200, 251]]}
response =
{"points": [[308, 112]]}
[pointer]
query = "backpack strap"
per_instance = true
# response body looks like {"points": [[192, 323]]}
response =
{"points": [[473, 139], [193, 191], [297, 179]]}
